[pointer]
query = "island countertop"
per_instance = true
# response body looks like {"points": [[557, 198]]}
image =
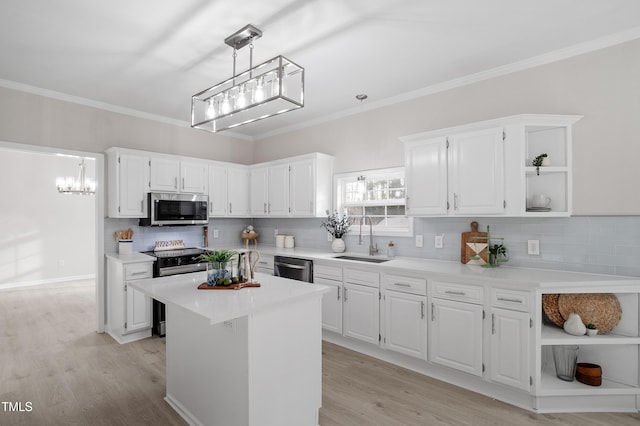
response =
{"points": [[218, 306]]}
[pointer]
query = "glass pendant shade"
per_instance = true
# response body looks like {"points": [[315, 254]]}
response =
{"points": [[271, 88]]}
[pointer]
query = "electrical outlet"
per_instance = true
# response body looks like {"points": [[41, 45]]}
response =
{"points": [[419, 241], [533, 247], [439, 241], [275, 232], [216, 233]]}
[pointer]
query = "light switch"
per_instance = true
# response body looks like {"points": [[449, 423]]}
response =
{"points": [[216, 233], [533, 247], [419, 241]]}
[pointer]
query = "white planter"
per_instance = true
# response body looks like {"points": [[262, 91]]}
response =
{"points": [[592, 332], [338, 245]]}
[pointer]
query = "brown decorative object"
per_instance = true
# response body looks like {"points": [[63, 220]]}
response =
{"points": [[589, 374], [601, 309], [550, 308], [468, 253], [250, 237], [236, 286]]}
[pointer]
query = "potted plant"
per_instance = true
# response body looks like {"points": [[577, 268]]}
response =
{"points": [[592, 330], [538, 161], [497, 253], [218, 270], [337, 226]]}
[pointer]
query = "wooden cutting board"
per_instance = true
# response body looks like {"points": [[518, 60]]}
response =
{"points": [[473, 247]]}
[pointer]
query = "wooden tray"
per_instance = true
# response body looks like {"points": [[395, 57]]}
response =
{"points": [[236, 286], [474, 243]]}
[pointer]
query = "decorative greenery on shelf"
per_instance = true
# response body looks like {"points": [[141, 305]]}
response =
{"points": [[497, 249], [221, 256], [591, 326], [336, 225], [537, 162]]}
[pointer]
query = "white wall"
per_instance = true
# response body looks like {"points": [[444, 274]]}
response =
{"points": [[44, 235], [602, 85]]}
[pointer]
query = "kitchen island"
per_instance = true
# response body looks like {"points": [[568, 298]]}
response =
{"points": [[242, 357]]}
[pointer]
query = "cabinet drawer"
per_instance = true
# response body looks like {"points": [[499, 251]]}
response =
{"points": [[464, 292], [405, 284], [327, 272], [265, 263], [357, 276], [510, 299], [136, 271]]}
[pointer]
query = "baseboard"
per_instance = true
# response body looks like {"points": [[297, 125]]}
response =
{"points": [[48, 281]]}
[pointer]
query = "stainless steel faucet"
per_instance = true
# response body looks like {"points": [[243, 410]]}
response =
{"points": [[373, 249]]}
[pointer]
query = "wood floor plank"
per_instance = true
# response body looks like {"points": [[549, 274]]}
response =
{"points": [[50, 355]]}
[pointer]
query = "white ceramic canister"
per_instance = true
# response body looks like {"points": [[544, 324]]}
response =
{"points": [[288, 241], [280, 241]]}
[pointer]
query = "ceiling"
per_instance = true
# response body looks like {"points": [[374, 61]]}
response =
{"points": [[147, 57]]}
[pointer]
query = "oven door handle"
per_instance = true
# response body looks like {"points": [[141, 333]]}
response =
{"points": [[289, 265], [173, 270]]}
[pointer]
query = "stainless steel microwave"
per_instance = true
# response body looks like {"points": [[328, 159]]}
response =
{"points": [[167, 208]]}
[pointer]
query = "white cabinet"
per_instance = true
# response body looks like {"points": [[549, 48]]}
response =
{"points": [[455, 329], [332, 301], [228, 190], [405, 326], [464, 172], [127, 184], [265, 264], [361, 305], [128, 310], [293, 187], [173, 174], [217, 190], [510, 348]]}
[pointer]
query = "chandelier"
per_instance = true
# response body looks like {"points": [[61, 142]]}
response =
{"points": [[82, 185], [271, 88]]}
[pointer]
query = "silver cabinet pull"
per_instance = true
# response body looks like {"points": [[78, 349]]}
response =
{"points": [[507, 299], [455, 201], [175, 182], [138, 273], [269, 208], [264, 208], [422, 310], [457, 293], [338, 293], [345, 294], [210, 206], [230, 208], [433, 312], [402, 284], [493, 323], [182, 183]]}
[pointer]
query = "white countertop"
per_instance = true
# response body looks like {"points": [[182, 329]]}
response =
{"points": [[130, 258], [223, 305]]}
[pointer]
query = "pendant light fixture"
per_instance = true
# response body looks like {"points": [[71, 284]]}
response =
{"points": [[82, 185], [271, 88]]}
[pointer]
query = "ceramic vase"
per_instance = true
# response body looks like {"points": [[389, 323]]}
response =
{"points": [[573, 325], [337, 245], [216, 271]]}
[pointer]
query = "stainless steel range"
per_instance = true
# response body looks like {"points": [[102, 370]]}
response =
{"points": [[172, 262]]}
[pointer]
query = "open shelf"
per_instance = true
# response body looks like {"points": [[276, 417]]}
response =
{"points": [[552, 335], [552, 386]]}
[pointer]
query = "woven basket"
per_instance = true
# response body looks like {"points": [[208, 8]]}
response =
{"points": [[550, 308], [601, 309]]}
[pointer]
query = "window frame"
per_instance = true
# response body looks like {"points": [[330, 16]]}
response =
{"points": [[339, 196]]}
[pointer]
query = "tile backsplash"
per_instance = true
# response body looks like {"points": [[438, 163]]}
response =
{"points": [[597, 244]]}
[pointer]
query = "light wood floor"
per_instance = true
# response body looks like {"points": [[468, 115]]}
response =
{"points": [[51, 357]]}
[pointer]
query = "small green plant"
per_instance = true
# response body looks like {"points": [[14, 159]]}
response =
{"points": [[537, 162], [591, 326], [221, 256], [497, 249]]}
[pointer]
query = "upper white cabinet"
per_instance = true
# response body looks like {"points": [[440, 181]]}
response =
{"points": [[228, 190], [293, 187], [127, 183], [486, 168], [172, 174]]}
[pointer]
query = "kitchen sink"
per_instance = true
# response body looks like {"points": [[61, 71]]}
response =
{"points": [[362, 259]]}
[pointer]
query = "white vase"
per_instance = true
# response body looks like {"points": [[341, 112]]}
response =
{"points": [[337, 245], [573, 325]]}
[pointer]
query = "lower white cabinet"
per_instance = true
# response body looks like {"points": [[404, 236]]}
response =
{"points": [[455, 335], [265, 264], [405, 325], [129, 313], [361, 313], [331, 305], [510, 348]]}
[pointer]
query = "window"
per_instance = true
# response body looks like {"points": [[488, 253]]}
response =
{"points": [[378, 195]]}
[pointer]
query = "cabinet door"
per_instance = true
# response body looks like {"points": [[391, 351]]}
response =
{"points": [[138, 309], [133, 185], [193, 177], [361, 311], [405, 326], [259, 185], [237, 192], [476, 173], [217, 191], [331, 305], [303, 188], [510, 348], [278, 193], [426, 174], [455, 335], [165, 173]]}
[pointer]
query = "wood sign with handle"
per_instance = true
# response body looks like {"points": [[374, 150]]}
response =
{"points": [[474, 246]]}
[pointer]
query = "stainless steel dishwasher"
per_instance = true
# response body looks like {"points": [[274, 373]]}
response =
{"points": [[294, 268]]}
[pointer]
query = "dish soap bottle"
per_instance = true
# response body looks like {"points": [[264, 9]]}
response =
{"points": [[391, 250]]}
